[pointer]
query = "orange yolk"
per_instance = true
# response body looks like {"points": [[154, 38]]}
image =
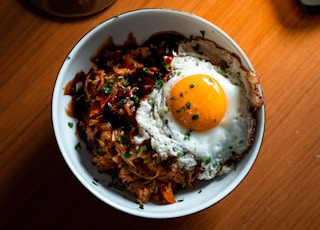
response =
{"points": [[197, 102]]}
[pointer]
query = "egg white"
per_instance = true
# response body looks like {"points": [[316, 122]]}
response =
{"points": [[214, 146]]}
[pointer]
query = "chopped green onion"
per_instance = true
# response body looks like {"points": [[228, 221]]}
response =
{"points": [[167, 66], [187, 135], [145, 148], [197, 48], [223, 72], [146, 70], [121, 139], [111, 80], [107, 90], [155, 190], [141, 205], [135, 99], [159, 84], [73, 90], [126, 155], [188, 104], [195, 117], [136, 151], [77, 146]]}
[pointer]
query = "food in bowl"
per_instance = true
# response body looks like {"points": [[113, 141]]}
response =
{"points": [[161, 115]]}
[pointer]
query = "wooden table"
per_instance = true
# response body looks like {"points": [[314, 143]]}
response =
{"points": [[282, 191]]}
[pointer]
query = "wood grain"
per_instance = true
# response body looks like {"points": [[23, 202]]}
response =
{"points": [[282, 191]]}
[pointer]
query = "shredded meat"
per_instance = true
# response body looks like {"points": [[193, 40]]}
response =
{"points": [[105, 101]]}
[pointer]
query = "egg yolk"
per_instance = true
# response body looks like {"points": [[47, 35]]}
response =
{"points": [[197, 102]]}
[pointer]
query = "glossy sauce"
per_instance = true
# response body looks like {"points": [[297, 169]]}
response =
{"points": [[160, 46]]}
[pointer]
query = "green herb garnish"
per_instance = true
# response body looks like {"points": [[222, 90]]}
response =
{"points": [[223, 72], [167, 50], [145, 148], [135, 99], [107, 90], [136, 151], [141, 205], [126, 155], [73, 90], [183, 184], [121, 139], [167, 66], [197, 48], [111, 80], [146, 70], [77, 146], [188, 104], [159, 84], [155, 190], [187, 135], [195, 117]]}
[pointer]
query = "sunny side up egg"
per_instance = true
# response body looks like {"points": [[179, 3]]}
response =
{"points": [[200, 114]]}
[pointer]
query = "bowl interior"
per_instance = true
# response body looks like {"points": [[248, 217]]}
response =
{"points": [[142, 23]]}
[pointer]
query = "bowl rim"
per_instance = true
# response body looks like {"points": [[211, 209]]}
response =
{"points": [[110, 202]]}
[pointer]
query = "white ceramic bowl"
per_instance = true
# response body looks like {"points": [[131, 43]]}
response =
{"points": [[143, 23]]}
